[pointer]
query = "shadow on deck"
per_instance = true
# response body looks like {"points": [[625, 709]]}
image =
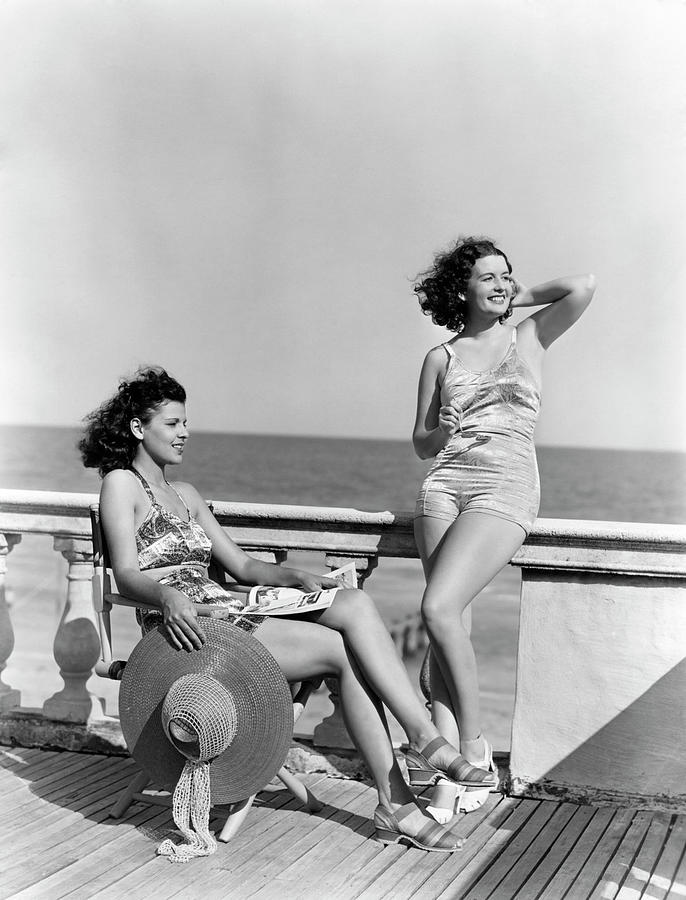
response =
{"points": [[58, 841]]}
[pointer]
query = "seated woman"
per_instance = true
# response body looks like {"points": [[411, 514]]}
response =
{"points": [[161, 536]]}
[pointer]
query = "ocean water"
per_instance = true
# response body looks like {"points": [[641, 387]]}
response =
{"points": [[576, 483], [369, 475]]}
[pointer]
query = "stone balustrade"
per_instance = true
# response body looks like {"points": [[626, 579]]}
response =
{"points": [[599, 714]]}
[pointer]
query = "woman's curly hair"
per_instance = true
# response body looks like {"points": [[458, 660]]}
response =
{"points": [[442, 287], [107, 442]]}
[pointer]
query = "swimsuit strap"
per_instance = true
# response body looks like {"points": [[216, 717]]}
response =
{"points": [[146, 486], [513, 341], [152, 497], [449, 350], [181, 499]]}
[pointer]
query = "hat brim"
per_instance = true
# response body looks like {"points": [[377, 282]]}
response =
{"points": [[259, 690]]}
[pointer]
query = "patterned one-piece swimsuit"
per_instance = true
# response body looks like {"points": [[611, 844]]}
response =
{"points": [[489, 464], [164, 539]]}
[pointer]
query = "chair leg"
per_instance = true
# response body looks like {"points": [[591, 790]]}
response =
{"points": [[300, 791], [235, 818], [126, 797]]}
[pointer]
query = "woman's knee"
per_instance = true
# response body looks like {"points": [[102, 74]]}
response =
{"points": [[356, 606], [440, 612]]}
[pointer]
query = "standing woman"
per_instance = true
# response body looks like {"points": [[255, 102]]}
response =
{"points": [[478, 402]]}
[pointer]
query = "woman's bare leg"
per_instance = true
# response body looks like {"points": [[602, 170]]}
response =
{"points": [[468, 556], [306, 649], [459, 560], [355, 616]]}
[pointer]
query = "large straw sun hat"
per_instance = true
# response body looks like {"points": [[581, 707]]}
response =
{"points": [[210, 722]]}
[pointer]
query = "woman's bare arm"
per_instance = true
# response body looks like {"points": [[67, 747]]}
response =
{"points": [[244, 568], [434, 424], [564, 299], [118, 498]]}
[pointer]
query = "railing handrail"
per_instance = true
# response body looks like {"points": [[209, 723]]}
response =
{"points": [[553, 543]]}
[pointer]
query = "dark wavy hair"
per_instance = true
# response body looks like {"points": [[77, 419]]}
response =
{"points": [[441, 288], [107, 442]]}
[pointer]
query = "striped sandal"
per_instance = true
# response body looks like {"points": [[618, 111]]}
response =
{"points": [[423, 773], [432, 837]]}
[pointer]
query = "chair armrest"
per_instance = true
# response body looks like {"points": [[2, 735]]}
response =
{"points": [[120, 600]]}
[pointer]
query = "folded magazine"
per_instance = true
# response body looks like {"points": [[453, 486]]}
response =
{"points": [[265, 600], [285, 601]]}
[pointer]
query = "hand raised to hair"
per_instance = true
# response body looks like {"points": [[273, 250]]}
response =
{"points": [[520, 293]]}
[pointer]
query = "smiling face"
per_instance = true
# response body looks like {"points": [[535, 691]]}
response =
{"points": [[163, 437], [489, 289]]}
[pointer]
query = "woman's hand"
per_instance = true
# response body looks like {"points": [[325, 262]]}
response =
{"points": [[181, 621], [521, 295], [449, 420], [310, 582]]}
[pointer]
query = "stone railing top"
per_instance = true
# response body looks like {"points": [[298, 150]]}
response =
{"points": [[624, 547]]}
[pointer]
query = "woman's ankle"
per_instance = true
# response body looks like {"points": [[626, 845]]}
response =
{"points": [[473, 747]]}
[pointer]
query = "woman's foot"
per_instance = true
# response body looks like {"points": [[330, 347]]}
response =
{"points": [[440, 759], [444, 799], [449, 800], [408, 824], [479, 753]]}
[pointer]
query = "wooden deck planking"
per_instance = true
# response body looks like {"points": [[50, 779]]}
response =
{"points": [[494, 870], [59, 822], [48, 779], [462, 870], [289, 826], [612, 877], [665, 870], [149, 875], [557, 852], [60, 844], [677, 889], [151, 869], [640, 871], [265, 836], [522, 875], [317, 849], [577, 856]]}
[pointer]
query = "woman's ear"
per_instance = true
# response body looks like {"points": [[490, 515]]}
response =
{"points": [[136, 427]]}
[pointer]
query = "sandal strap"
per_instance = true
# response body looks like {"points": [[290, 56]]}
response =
{"points": [[402, 812], [431, 835], [436, 744]]}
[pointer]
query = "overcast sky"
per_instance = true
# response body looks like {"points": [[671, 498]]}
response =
{"points": [[242, 191]]}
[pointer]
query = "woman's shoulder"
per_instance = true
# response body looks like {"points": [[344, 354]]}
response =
{"points": [[438, 355], [118, 485], [119, 478]]}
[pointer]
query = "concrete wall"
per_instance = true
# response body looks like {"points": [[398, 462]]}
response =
{"points": [[600, 705]]}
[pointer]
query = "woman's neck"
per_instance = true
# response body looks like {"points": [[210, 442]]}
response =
{"points": [[482, 329], [150, 470]]}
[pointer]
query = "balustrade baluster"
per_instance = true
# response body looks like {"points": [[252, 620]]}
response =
{"points": [[76, 647], [9, 697]]}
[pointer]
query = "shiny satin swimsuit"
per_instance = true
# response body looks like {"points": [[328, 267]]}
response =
{"points": [[489, 464], [164, 539]]}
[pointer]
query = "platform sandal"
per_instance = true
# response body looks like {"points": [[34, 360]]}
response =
{"points": [[432, 837], [487, 764], [423, 773]]}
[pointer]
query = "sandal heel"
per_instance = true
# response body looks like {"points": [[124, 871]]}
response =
{"points": [[422, 777]]}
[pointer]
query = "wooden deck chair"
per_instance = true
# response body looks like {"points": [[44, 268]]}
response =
{"points": [[104, 598]]}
